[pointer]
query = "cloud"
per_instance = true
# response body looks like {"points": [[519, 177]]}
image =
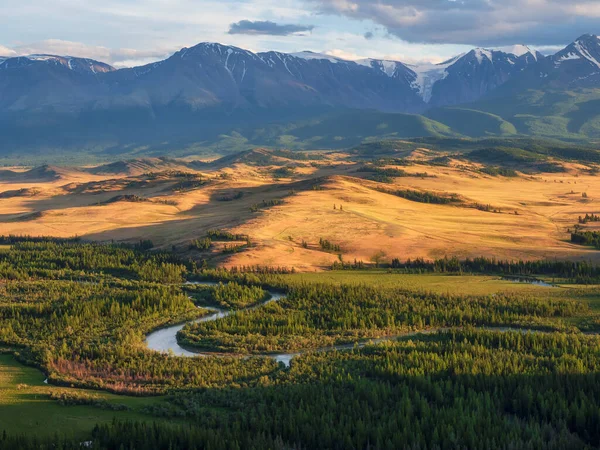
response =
{"points": [[5, 51], [266, 27], [474, 22], [343, 54], [119, 57], [369, 35]]}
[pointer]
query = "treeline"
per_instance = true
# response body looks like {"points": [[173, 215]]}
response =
{"points": [[329, 246], [589, 218], [231, 295], [233, 272], [343, 265], [496, 171], [387, 174], [284, 172], [426, 197], [63, 260], [223, 235], [590, 238], [121, 435], [15, 239], [206, 243], [201, 244], [131, 198], [298, 156], [194, 182], [487, 208], [266, 204], [577, 271], [74, 398], [231, 197], [142, 244], [380, 174]]}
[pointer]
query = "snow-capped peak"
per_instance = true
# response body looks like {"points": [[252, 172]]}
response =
{"points": [[583, 50], [483, 53], [518, 51], [81, 65], [215, 48], [586, 47]]}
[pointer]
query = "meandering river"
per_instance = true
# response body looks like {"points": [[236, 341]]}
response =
{"points": [[165, 339]]}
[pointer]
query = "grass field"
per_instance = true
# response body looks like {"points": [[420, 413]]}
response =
{"points": [[25, 406], [453, 284]]}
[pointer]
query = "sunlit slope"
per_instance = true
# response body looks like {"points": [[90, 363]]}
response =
{"points": [[372, 222], [288, 204]]}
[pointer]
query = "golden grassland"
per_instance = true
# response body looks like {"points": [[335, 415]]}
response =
{"points": [[536, 211]]}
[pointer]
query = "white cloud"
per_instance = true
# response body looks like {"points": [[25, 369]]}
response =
{"points": [[5, 51], [343, 54], [133, 32], [120, 57]]}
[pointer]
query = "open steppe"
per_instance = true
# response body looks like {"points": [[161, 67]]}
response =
{"points": [[287, 202]]}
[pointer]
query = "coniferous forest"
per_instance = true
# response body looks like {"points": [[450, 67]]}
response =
{"points": [[508, 370]]}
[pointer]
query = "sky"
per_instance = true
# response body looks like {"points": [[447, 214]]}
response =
{"points": [[125, 33]]}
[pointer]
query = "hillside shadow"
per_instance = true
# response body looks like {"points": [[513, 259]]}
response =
{"points": [[227, 206], [150, 189], [215, 214], [585, 112], [78, 198]]}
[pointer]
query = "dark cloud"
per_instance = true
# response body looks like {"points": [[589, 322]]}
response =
{"points": [[369, 35], [267, 27], [474, 22]]}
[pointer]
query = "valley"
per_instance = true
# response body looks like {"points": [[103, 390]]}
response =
{"points": [[84, 317], [300, 225], [154, 299]]}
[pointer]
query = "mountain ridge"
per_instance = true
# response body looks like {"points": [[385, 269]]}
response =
{"points": [[237, 63], [213, 91]]}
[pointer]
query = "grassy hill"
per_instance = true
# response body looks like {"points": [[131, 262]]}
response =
{"points": [[571, 115], [343, 130], [301, 130], [470, 122]]}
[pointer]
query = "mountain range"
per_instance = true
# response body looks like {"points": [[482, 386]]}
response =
{"points": [[213, 93]]}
